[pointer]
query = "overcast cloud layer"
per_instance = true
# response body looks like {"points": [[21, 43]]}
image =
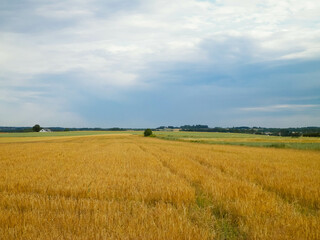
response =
{"points": [[145, 63]]}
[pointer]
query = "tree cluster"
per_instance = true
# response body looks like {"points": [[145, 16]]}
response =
{"points": [[147, 132], [36, 128]]}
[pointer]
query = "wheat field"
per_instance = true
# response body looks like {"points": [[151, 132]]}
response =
{"points": [[132, 187]]}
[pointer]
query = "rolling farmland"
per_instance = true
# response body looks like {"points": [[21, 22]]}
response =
{"points": [[124, 186]]}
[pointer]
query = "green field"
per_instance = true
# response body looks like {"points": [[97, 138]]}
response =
{"points": [[178, 135], [241, 139]]}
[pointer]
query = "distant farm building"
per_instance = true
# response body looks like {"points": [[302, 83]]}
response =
{"points": [[170, 129], [45, 130]]}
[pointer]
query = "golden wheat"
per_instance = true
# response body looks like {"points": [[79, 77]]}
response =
{"points": [[131, 187]]}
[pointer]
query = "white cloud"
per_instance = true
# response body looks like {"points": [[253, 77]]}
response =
{"points": [[156, 31], [115, 46]]}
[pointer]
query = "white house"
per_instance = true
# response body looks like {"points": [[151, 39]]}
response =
{"points": [[45, 130]]}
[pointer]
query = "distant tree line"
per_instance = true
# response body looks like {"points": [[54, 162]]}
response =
{"points": [[285, 132], [194, 127], [314, 134]]}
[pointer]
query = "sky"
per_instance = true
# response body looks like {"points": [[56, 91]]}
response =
{"points": [[148, 63]]}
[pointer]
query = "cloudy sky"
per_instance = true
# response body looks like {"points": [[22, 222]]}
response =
{"points": [[146, 63]]}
